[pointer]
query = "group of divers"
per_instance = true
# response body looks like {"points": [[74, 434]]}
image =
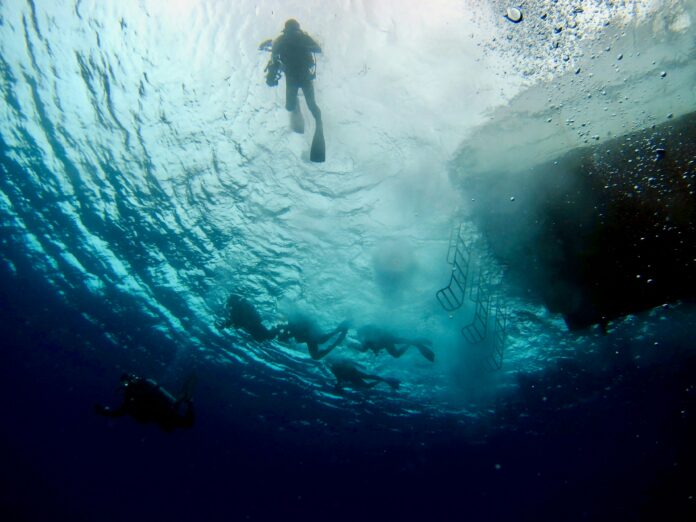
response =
{"points": [[292, 55], [146, 401]]}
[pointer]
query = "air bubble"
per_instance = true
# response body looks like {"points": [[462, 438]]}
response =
{"points": [[513, 14]]}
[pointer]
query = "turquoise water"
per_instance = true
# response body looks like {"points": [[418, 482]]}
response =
{"points": [[148, 172]]}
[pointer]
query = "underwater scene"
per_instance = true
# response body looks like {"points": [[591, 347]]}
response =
{"points": [[348, 260]]}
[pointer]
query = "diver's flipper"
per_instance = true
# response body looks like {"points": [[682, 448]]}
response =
{"points": [[426, 352], [318, 152], [296, 120]]}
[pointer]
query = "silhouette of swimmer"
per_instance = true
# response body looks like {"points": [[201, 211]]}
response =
{"points": [[146, 401], [349, 374], [376, 339], [242, 315], [293, 53], [305, 330]]}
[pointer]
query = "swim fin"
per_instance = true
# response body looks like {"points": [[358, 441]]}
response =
{"points": [[426, 352], [318, 152]]}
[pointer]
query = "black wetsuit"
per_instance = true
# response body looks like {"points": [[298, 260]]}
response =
{"points": [[293, 50], [147, 401], [242, 315]]}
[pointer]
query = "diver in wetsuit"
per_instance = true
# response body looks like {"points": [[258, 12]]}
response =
{"points": [[242, 315], [376, 339], [349, 374], [293, 54], [304, 330], [146, 401]]}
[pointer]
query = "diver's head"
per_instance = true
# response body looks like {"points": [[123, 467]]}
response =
{"points": [[292, 26]]}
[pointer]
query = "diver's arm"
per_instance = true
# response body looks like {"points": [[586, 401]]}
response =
{"points": [[276, 48], [396, 352], [311, 45]]}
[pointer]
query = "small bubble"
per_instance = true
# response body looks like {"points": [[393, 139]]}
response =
{"points": [[512, 198], [663, 74]]}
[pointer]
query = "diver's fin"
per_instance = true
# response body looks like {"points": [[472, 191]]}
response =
{"points": [[266, 45], [296, 120], [426, 352], [187, 389], [318, 151]]}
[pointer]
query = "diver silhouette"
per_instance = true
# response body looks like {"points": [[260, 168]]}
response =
{"points": [[376, 339], [349, 373], [305, 330], [293, 54], [146, 401], [242, 315]]}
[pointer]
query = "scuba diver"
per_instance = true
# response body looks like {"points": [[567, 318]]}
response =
{"points": [[292, 53], [146, 401], [242, 315], [349, 374], [304, 330], [376, 339]]}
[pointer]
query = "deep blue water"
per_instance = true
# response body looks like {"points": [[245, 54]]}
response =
{"points": [[622, 452], [145, 175]]}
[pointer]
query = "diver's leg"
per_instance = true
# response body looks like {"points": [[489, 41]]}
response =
{"points": [[342, 331], [291, 89], [291, 104], [422, 345], [317, 353], [308, 90], [394, 351], [425, 351], [314, 351], [341, 328]]}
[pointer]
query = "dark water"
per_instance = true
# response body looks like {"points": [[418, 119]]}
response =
{"points": [[136, 193], [595, 438]]}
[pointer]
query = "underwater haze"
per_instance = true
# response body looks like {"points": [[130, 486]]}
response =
{"points": [[147, 173]]}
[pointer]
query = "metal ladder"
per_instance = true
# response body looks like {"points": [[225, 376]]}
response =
{"points": [[451, 297]]}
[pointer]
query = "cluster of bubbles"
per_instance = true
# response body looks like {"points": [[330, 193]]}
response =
{"points": [[544, 38]]}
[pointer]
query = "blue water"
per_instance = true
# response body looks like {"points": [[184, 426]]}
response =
{"points": [[146, 172]]}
